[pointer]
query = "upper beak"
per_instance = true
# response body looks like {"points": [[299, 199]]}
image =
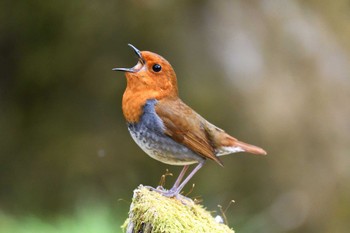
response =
{"points": [[139, 55]]}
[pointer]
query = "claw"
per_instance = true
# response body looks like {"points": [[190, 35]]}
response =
{"points": [[172, 193]]}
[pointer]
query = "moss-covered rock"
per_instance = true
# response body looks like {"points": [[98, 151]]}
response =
{"points": [[152, 212]]}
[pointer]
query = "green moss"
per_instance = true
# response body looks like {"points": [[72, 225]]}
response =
{"points": [[161, 214]]}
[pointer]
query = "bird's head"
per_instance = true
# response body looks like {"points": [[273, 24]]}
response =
{"points": [[152, 75]]}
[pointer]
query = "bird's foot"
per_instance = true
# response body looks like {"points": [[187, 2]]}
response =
{"points": [[159, 189], [172, 193]]}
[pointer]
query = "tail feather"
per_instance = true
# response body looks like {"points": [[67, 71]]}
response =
{"points": [[229, 144], [249, 148], [226, 144]]}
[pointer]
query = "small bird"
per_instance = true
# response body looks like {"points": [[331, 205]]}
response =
{"points": [[165, 127]]}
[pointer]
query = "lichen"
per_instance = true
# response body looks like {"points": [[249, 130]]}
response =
{"points": [[161, 214]]}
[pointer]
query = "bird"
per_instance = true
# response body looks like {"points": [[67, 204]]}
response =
{"points": [[167, 129]]}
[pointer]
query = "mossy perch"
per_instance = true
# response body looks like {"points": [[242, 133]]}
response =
{"points": [[152, 212]]}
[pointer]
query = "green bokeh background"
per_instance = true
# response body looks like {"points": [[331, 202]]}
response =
{"points": [[272, 73]]}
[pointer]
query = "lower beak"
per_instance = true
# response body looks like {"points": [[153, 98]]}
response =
{"points": [[124, 69]]}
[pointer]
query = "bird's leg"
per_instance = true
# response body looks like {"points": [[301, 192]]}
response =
{"points": [[176, 190], [180, 177], [182, 185]]}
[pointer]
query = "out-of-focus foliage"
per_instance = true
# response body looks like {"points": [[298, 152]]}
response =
{"points": [[88, 220], [274, 73]]}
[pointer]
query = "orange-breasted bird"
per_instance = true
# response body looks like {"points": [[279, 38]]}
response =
{"points": [[165, 127]]}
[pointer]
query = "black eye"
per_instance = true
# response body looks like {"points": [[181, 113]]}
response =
{"points": [[156, 68]]}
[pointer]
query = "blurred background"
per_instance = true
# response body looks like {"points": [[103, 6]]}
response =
{"points": [[274, 73]]}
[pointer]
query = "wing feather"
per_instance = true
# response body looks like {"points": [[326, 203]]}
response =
{"points": [[185, 126]]}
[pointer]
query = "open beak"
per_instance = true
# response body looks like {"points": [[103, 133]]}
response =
{"points": [[139, 56]]}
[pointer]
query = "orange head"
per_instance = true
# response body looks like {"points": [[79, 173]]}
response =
{"points": [[151, 78]]}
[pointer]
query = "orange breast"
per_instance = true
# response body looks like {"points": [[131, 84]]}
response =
{"points": [[134, 100], [132, 106]]}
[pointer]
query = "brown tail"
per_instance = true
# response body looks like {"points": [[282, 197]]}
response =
{"points": [[237, 146], [250, 148], [229, 144]]}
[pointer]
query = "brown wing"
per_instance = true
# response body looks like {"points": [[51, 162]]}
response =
{"points": [[185, 126]]}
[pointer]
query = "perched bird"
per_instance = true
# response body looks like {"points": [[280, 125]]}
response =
{"points": [[165, 127]]}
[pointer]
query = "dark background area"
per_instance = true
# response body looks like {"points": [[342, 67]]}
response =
{"points": [[272, 73]]}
